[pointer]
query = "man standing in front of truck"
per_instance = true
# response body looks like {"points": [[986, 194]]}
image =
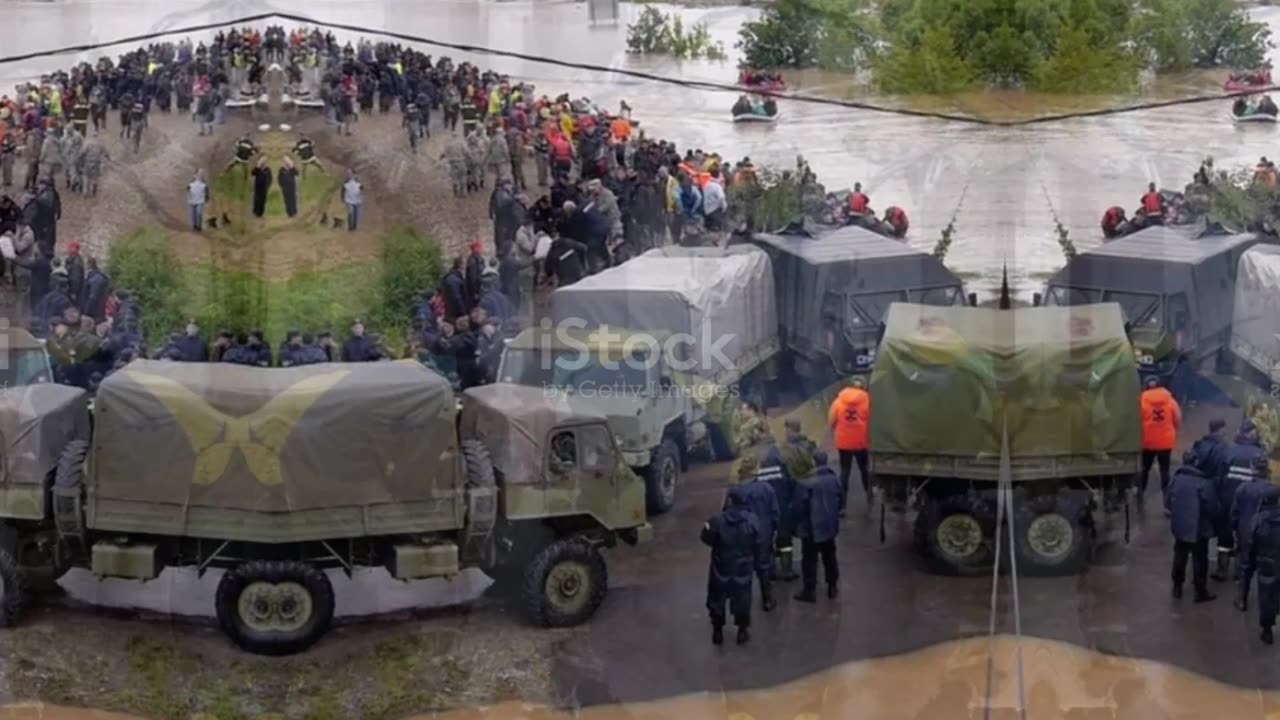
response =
{"points": [[848, 421], [1161, 419]]}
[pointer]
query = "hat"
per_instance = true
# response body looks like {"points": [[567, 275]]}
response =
{"points": [[1217, 424], [73, 247], [477, 247]]}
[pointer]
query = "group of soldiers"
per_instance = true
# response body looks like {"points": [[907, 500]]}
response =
{"points": [[55, 155]]}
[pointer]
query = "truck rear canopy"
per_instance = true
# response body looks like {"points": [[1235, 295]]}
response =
{"points": [[1255, 330], [36, 422], [229, 438], [949, 380], [721, 298]]}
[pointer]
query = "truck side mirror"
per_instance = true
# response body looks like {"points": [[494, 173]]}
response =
{"points": [[1036, 299], [973, 299]]}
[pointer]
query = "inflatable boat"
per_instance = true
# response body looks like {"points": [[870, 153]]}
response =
{"points": [[752, 117], [1254, 117]]}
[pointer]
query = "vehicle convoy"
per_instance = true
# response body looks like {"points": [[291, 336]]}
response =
{"points": [[1175, 287], [278, 475], [664, 346], [834, 288], [952, 383]]}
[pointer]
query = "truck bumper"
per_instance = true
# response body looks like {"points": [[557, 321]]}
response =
{"points": [[637, 535]]}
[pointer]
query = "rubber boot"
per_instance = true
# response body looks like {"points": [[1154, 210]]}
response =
{"points": [[1177, 592], [1241, 602], [744, 635], [717, 635], [1224, 563], [1204, 596], [807, 595], [1267, 637], [766, 597], [787, 571], [833, 591]]}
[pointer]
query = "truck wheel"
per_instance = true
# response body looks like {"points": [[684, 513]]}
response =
{"points": [[565, 584], [479, 464], [662, 477], [1051, 537], [12, 592], [722, 449], [273, 607], [957, 532]]}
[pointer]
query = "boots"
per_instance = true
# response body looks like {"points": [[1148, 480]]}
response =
{"points": [[1224, 563], [717, 635], [807, 595], [1241, 602], [743, 635], [787, 571], [766, 597], [833, 591], [1204, 596], [1267, 637]]}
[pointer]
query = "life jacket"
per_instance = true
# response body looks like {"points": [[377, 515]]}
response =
{"points": [[897, 217], [1111, 218], [848, 418], [620, 129], [1161, 418], [858, 203], [561, 150], [1152, 204]]}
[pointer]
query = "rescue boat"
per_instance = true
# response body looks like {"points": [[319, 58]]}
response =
{"points": [[1254, 117], [752, 117]]}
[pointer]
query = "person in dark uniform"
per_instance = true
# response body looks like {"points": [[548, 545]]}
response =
{"points": [[1214, 460], [261, 186], [734, 539], [1193, 507], [287, 177], [1250, 467], [80, 116], [818, 503], [470, 118], [306, 152], [244, 152], [758, 495], [1264, 559]]}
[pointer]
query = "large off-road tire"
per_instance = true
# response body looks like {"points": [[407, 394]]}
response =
{"points": [[479, 464], [1052, 536], [565, 583], [12, 591], [274, 607], [956, 532], [662, 477]]}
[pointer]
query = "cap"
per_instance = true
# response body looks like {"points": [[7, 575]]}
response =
{"points": [[1217, 424]]}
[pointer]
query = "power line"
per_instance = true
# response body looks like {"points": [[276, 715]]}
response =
{"points": [[650, 77]]}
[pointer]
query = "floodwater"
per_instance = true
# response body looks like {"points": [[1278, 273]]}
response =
{"points": [[996, 678], [1005, 188]]}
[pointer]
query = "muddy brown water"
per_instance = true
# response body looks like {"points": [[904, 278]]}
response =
{"points": [[991, 678]]}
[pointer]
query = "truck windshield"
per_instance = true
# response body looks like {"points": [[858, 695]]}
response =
{"points": [[1140, 310], [942, 296], [25, 367], [1059, 295], [869, 309], [572, 371]]}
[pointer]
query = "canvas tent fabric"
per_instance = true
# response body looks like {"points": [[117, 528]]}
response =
{"points": [[1255, 329], [514, 422], [849, 261], [718, 297], [36, 422], [949, 381], [274, 440]]}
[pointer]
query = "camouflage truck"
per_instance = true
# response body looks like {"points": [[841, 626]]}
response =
{"points": [[951, 384], [666, 346], [280, 477]]}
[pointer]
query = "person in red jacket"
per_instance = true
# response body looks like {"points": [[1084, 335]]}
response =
{"points": [[859, 203], [1161, 419], [1113, 221], [848, 419], [1152, 206], [897, 219]]}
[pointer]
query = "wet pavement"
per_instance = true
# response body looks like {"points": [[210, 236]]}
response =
{"points": [[1005, 188]]}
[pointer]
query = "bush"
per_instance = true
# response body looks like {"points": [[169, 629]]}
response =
{"points": [[144, 264], [411, 263], [659, 33]]}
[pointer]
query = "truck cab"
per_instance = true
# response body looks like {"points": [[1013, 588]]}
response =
{"points": [[24, 359], [1175, 287]]}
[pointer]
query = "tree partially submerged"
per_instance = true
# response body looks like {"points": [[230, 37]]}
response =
{"points": [[659, 33]]}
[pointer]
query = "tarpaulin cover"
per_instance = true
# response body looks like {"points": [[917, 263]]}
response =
{"points": [[514, 422], [36, 422], [1255, 328], [718, 297], [271, 440], [1063, 380]]}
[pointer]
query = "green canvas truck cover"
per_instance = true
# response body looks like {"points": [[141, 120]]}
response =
{"points": [[36, 422], [207, 439], [948, 380]]}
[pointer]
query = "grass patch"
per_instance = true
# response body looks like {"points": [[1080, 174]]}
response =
{"points": [[232, 192], [380, 293]]}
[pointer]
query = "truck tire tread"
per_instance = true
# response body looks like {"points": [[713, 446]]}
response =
{"points": [[70, 471], [11, 604], [1075, 512], [931, 516], [654, 499], [233, 582], [479, 464], [537, 605]]}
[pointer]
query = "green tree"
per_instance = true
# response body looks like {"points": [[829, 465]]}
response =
{"points": [[1077, 65], [933, 67], [832, 34], [1178, 35]]}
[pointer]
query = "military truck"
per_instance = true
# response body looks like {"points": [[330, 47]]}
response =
{"points": [[23, 359], [277, 476], [1255, 326], [948, 386], [665, 346], [834, 287], [1175, 286]]}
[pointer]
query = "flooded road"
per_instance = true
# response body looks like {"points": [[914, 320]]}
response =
{"points": [[1013, 181]]}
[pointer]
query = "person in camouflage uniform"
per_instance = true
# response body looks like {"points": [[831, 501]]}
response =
{"points": [[499, 156], [92, 157], [51, 163], [456, 153], [476, 153], [34, 145], [516, 145], [72, 157]]}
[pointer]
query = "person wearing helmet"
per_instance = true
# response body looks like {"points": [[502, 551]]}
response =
{"points": [[1192, 506]]}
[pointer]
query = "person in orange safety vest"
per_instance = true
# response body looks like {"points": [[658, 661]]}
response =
{"points": [[848, 419], [1161, 419], [1152, 206]]}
